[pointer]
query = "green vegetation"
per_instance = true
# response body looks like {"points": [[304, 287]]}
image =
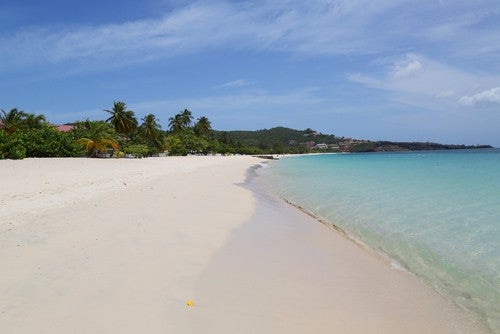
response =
{"points": [[24, 135], [123, 120], [280, 140], [95, 137], [28, 135], [284, 140], [137, 150]]}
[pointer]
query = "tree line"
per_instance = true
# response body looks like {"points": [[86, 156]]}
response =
{"points": [[24, 134]]}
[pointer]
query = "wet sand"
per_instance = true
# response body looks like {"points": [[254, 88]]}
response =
{"points": [[285, 272]]}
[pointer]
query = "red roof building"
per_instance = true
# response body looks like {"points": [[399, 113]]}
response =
{"points": [[65, 127]]}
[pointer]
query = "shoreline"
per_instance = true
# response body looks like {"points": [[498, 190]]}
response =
{"points": [[461, 298], [384, 257], [410, 306]]}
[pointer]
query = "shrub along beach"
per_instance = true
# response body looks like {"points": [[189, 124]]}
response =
{"points": [[28, 135]]}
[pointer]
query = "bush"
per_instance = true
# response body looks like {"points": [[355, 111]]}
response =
{"points": [[12, 146], [50, 142], [175, 146], [38, 143], [138, 150]]}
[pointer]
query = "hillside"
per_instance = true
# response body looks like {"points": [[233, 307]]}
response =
{"points": [[286, 140]]}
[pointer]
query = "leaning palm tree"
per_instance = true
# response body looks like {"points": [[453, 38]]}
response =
{"points": [[94, 147], [203, 126], [122, 119], [96, 137], [12, 120]]}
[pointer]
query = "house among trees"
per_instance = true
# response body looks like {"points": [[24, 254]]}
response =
{"points": [[321, 146]]}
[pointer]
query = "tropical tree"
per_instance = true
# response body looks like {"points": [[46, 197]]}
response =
{"points": [[12, 120], [95, 136], [150, 130], [203, 126], [187, 118], [32, 121], [181, 121], [123, 120], [176, 123]]}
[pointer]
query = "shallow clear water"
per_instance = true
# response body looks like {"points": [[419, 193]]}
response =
{"points": [[436, 214]]}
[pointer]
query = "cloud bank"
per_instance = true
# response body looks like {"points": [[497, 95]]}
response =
{"points": [[488, 96]]}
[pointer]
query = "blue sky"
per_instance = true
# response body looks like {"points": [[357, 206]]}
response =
{"points": [[380, 70]]}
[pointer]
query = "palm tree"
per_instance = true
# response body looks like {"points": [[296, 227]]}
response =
{"points": [[32, 121], [150, 127], [96, 137], [122, 119], [203, 126], [187, 118], [12, 120], [150, 130], [181, 121], [176, 123]]}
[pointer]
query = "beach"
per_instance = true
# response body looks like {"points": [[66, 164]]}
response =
{"points": [[122, 245]]}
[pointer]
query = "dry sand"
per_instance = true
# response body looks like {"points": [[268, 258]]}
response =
{"points": [[112, 246], [119, 246]]}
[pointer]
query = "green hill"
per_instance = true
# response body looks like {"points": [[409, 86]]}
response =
{"points": [[285, 140]]}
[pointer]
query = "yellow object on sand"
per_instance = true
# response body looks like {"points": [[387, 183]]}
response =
{"points": [[190, 303]]}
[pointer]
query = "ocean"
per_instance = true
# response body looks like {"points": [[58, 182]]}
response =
{"points": [[433, 213]]}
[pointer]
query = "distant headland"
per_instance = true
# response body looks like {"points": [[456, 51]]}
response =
{"points": [[286, 140]]}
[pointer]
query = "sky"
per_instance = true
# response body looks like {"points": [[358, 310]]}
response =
{"points": [[380, 70]]}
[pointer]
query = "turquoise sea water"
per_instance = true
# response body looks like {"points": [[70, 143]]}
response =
{"points": [[437, 214]]}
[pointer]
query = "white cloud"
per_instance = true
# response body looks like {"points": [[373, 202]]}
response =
{"points": [[491, 95], [304, 27], [234, 83], [406, 68], [412, 73], [311, 27], [423, 82]]}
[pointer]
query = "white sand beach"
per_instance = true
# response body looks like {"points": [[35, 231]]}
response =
{"points": [[120, 246]]}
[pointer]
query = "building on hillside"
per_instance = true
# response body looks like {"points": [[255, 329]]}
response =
{"points": [[321, 146]]}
